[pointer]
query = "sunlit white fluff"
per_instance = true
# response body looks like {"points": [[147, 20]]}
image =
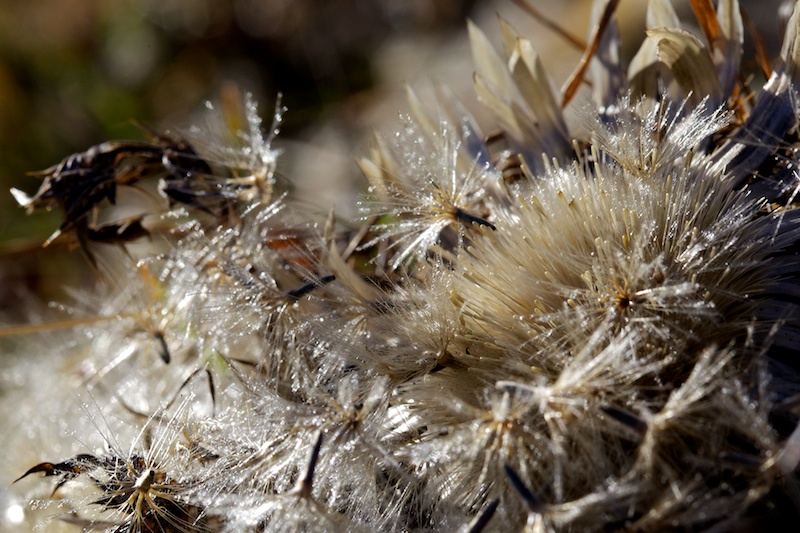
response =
{"points": [[651, 238], [428, 189]]}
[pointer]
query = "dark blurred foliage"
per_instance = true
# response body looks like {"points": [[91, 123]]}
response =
{"points": [[74, 73]]}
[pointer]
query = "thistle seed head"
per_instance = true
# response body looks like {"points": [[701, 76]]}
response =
{"points": [[545, 329]]}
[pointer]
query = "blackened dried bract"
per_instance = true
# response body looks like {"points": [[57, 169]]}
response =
{"points": [[66, 469], [299, 292], [480, 522], [141, 496], [190, 181], [531, 501], [83, 183], [118, 232]]}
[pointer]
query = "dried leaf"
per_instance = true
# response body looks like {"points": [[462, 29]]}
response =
{"points": [[690, 65], [450, 115], [727, 51], [790, 51], [367, 292], [471, 133], [379, 169], [488, 94], [645, 69], [608, 79], [761, 56], [534, 84], [661, 14], [520, 95], [422, 114], [488, 63], [773, 115]]}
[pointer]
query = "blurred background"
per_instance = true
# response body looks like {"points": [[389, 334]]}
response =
{"points": [[75, 73]]}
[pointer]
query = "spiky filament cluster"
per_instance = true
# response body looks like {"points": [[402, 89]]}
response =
{"points": [[557, 336]]}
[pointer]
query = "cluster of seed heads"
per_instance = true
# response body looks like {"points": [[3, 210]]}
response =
{"points": [[525, 331]]}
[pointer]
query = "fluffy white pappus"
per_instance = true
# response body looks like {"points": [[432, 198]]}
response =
{"points": [[137, 337], [713, 433], [137, 481], [233, 138], [551, 433], [663, 246], [261, 279], [649, 138], [413, 329], [264, 446], [428, 193]]}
